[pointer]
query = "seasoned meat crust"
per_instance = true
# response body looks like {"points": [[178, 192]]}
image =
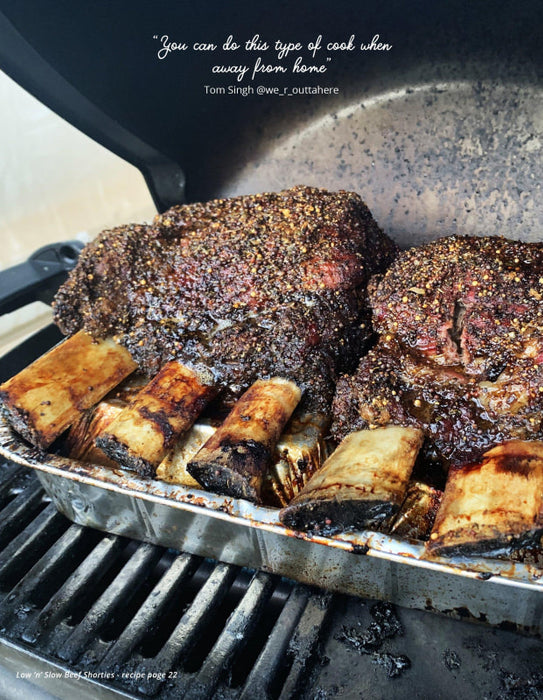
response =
{"points": [[460, 352], [253, 286], [473, 302]]}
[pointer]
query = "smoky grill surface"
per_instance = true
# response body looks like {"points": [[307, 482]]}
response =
{"points": [[460, 351], [250, 286]]}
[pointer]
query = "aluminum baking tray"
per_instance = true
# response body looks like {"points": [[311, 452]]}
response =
{"points": [[365, 563]]}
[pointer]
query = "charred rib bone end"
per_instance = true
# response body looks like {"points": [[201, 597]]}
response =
{"points": [[494, 505], [234, 461], [140, 437], [361, 484]]}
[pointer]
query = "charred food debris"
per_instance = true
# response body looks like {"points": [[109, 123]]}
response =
{"points": [[385, 625]]}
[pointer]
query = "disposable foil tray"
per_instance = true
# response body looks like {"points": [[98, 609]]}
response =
{"points": [[364, 563]]}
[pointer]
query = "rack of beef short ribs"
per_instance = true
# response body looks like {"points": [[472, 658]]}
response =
{"points": [[208, 300], [459, 358]]}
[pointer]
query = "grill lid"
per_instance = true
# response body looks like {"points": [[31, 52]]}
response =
{"points": [[100, 70]]}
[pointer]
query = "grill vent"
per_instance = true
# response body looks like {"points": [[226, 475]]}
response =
{"points": [[143, 620]]}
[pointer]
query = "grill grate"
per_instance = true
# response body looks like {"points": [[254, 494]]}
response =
{"points": [[137, 621], [147, 621]]}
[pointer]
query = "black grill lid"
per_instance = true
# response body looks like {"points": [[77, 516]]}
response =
{"points": [[97, 66]]}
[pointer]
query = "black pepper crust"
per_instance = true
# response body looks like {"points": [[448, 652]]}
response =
{"points": [[253, 286], [460, 353], [472, 301]]}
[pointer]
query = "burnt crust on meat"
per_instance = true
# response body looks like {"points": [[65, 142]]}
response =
{"points": [[460, 351], [473, 302], [328, 517], [251, 287]]}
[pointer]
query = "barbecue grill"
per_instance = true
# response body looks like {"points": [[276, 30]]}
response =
{"points": [[440, 135]]}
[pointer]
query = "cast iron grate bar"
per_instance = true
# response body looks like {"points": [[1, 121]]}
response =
{"points": [[100, 645], [150, 612], [54, 560], [118, 593], [193, 623], [232, 638], [8, 472], [263, 676], [37, 536], [19, 511], [303, 643], [12, 482], [66, 598]]}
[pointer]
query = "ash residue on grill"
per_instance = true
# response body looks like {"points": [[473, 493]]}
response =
{"points": [[513, 685], [516, 688], [322, 694], [385, 625], [451, 660], [394, 665]]}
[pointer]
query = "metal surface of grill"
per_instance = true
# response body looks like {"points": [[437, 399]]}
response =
{"points": [[148, 621], [107, 617]]}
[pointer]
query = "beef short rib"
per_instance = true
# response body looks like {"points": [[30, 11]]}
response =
{"points": [[251, 287], [460, 351]]}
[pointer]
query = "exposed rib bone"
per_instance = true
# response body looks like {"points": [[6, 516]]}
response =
{"points": [[418, 511], [298, 454], [173, 467], [300, 451], [362, 483], [80, 443], [47, 396], [83, 432], [495, 505], [235, 459], [141, 435]]}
